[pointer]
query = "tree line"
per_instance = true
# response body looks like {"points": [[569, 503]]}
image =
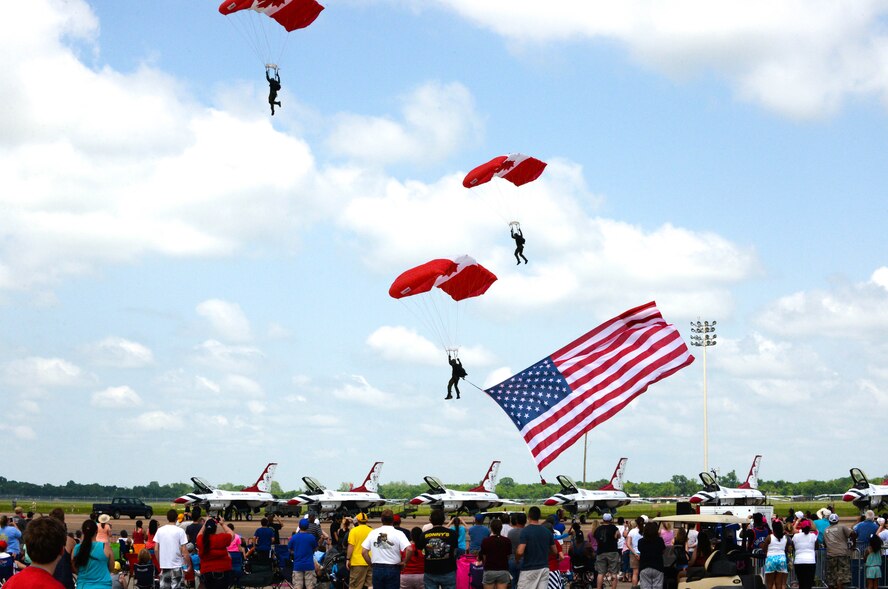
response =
{"points": [[677, 486]]}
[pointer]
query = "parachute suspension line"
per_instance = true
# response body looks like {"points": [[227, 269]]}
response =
{"points": [[446, 330], [509, 204], [283, 45], [243, 29]]}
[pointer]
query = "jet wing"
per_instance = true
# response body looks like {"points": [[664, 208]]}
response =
{"points": [[509, 502]]}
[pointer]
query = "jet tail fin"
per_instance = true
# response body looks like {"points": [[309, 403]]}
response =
{"points": [[616, 481], [263, 483], [488, 483], [752, 479], [371, 481]]}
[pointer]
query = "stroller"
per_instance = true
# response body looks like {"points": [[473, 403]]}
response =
{"points": [[258, 572], [333, 569]]}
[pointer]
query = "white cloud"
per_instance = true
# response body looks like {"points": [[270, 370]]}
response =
{"points": [[22, 432], [39, 373], [119, 352], [497, 376], [362, 392], [800, 58], [228, 358], [137, 167], [404, 345], [243, 386], [322, 420], [278, 331], [437, 119], [574, 257], [227, 319], [152, 421], [116, 397], [853, 311]]}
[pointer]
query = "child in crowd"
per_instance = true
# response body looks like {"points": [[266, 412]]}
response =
{"points": [[874, 562], [143, 571]]}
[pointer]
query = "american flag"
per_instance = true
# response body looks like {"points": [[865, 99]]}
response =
{"points": [[591, 379]]}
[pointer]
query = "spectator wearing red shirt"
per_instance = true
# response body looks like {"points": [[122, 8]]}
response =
{"points": [[45, 538], [212, 547]]}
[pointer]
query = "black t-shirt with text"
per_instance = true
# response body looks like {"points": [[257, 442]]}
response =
{"points": [[439, 546]]}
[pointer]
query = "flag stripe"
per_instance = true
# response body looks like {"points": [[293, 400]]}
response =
{"points": [[588, 381], [620, 322], [604, 406], [636, 376], [612, 377]]}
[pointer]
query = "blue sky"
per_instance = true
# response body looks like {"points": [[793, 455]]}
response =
{"points": [[185, 279]]}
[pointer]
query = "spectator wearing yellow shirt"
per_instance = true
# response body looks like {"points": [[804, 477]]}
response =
{"points": [[360, 575]]}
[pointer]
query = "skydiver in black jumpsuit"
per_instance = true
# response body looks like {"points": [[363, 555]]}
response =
{"points": [[519, 245], [274, 85], [457, 373]]}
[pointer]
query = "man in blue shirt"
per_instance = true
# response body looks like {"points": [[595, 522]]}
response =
{"points": [[263, 538], [302, 545], [865, 530], [477, 533], [12, 535], [534, 546]]}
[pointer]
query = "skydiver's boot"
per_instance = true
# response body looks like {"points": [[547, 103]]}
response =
{"points": [[449, 396]]}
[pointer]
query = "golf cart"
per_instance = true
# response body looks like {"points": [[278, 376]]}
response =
{"points": [[720, 570]]}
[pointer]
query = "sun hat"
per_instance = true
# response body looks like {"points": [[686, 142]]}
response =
{"points": [[104, 518]]}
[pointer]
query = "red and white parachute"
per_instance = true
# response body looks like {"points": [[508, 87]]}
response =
{"points": [[516, 168], [435, 291], [266, 24]]}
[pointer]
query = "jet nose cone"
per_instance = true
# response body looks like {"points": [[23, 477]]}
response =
{"points": [[416, 501], [696, 499], [550, 502], [180, 500], [849, 497]]}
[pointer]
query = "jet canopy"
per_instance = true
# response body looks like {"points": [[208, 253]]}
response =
{"points": [[435, 484], [709, 482], [859, 479], [201, 485], [567, 484], [312, 484]]}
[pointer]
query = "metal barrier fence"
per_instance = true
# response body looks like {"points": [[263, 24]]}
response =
{"points": [[858, 570]]}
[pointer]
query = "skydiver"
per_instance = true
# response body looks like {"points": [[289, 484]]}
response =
{"points": [[274, 85], [457, 373], [519, 243]]}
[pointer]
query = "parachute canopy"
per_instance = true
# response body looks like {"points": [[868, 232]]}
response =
{"points": [[461, 278], [291, 14], [517, 168]]}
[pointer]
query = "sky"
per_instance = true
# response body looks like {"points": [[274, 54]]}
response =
{"points": [[191, 287]]}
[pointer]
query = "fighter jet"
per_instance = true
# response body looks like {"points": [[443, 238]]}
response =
{"points": [[359, 499], [745, 494], [604, 500], [481, 498], [246, 501], [865, 495]]}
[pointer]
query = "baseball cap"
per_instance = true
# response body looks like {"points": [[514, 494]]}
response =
{"points": [[834, 518], [397, 519], [2, 545], [303, 524], [607, 517], [361, 517], [799, 514], [479, 518], [804, 524]]}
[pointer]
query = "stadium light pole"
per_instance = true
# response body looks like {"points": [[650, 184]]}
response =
{"points": [[703, 336]]}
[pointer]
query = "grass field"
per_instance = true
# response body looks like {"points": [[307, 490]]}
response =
{"points": [[629, 511]]}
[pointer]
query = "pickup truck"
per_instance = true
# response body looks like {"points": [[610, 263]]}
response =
{"points": [[123, 506]]}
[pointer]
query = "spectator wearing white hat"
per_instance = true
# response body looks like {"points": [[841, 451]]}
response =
{"points": [[838, 554]]}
